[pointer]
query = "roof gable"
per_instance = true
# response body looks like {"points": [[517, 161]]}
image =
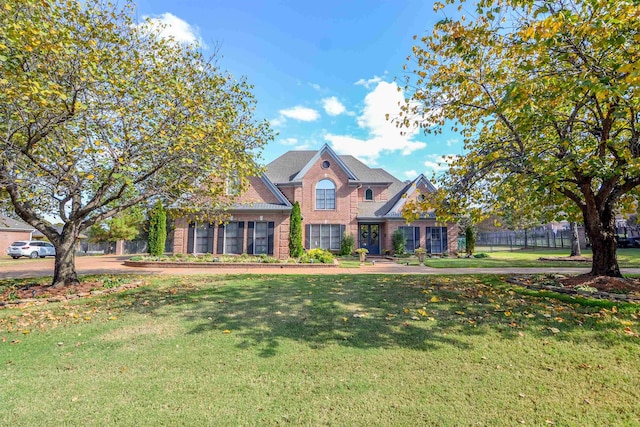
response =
{"points": [[400, 199], [325, 149]]}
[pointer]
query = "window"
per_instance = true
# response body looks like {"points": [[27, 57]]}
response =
{"points": [[412, 237], [260, 238], [325, 195], [324, 236], [368, 194], [200, 238], [233, 238], [437, 240], [326, 164]]}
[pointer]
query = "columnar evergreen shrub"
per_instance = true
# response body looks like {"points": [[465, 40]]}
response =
{"points": [[157, 229], [470, 239], [398, 240], [295, 232]]}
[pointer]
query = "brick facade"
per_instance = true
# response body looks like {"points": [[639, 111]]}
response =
{"points": [[294, 177]]}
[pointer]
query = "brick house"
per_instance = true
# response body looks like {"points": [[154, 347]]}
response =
{"points": [[12, 230], [337, 194]]}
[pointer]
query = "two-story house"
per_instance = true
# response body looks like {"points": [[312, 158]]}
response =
{"points": [[337, 194]]}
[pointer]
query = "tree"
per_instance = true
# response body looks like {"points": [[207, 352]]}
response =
{"points": [[122, 226], [99, 114], [295, 232], [470, 241], [545, 94], [157, 229], [574, 239]]}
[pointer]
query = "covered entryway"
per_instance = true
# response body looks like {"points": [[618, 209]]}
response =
{"points": [[369, 238]]}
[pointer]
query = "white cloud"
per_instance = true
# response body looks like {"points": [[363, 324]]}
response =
{"points": [[382, 135], [437, 164], [169, 25], [278, 121], [316, 86], [452, 141], [289, 141], [301, 113], [368, 83], [410, 174], [332, 106]]}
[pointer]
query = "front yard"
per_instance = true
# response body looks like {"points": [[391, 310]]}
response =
{"points": [[321, 350]]}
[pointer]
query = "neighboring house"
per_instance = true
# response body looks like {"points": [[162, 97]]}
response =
{"points": [[337, 194], [12, 230]]}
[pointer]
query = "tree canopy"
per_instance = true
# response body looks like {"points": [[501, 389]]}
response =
{"points": [[545, 94], [100, 113]]}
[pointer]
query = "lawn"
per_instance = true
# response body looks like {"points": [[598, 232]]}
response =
{"points": [[526, 258], [321, 350]]}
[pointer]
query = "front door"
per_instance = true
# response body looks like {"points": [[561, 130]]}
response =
{"points": [[369, 237]]}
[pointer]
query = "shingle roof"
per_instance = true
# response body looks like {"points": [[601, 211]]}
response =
{"points": [[7, 223], [289, 167]]}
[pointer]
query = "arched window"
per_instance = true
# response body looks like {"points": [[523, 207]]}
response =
{"points": [[368, 194], [325, 195]]}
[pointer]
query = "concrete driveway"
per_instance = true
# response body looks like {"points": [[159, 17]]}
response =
{"points": [[111, 264]]}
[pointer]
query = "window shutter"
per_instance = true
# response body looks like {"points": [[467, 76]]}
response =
{"points": [[190, 235], [343, 228], [307, 236], [210, 238], [445, 243], [241, 237], [220, 239], [270, 230], [416, 243], [250, 228], [428, 237]]}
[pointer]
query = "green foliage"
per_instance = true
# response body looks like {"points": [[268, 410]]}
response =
{"points": [[548, 108], [470, 240], [481, 255], [157, 229], [123, 226], [317, 255], [398, 241], [347, 244], [295, 232], [101, 113]]}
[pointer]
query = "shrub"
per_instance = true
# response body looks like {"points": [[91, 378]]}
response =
{"points": [[295, 232], [347, 244], [481, 255], [317, 255], [157, 229], [398, 240], [470, 240]]}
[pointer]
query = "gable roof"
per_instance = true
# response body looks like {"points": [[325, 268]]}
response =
{"points": [[398, 202], [292, 166], [283, 205], [7, 223]]}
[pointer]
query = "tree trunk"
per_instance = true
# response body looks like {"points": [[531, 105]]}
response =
{"points": [[600, 227], [575, 240], [64, 272]]}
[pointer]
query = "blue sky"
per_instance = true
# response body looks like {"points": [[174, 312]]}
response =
{"points": [[323, 72]]}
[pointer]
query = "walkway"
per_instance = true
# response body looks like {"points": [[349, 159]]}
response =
{"points": [[109, 264]]}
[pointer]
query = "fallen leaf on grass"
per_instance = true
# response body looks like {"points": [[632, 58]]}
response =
{"points": [[628, 331], [226, 331], [554, 330]]}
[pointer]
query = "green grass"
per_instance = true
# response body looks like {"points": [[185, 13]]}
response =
{"points": [[526, 258], [321, 350]]}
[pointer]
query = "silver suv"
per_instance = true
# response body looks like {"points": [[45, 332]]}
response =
{"points": [[31, 249]]}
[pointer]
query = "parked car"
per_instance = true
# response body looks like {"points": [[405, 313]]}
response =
{"points": [[628, 242], [31, 249]]}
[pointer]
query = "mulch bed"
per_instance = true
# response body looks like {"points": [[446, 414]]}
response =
{"points": [[46, 293], [603, 287]]}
